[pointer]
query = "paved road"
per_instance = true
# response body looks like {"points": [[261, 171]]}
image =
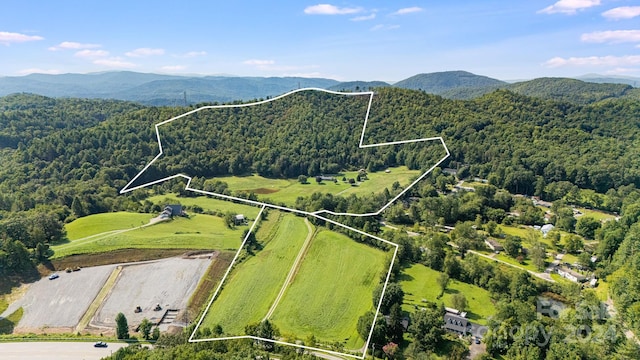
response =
{"points": [[55, 350]]}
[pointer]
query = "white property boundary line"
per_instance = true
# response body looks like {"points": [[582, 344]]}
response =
{"points": [[316, 214]]}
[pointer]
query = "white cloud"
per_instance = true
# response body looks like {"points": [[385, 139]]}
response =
{"points": [[569, 6], [364, 17], [258, 62], [612, 36], [71, 45], [173, 67], [408, 10], [623, 12], [91, 53], [384, 27], [11, 37], [142, 52], [328, 9], [39, 71], [191, 54], [618, 61], [115, 62]]}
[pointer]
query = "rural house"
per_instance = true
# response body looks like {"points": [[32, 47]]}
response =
{"points": [[457, 322], [493, 245], [171, 211]]}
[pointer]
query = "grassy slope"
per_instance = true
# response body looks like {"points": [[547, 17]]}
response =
{"points": [[207, 203], [99, 223], [288, 190], [419, 282], [255, 283], [198, 232], [331, 290]]}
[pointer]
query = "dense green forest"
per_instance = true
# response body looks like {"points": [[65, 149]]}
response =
{"points": [[67, 158]]}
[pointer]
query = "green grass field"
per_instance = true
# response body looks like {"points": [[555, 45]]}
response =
{"points": [[207, 203], [598, 215], [254, 284], [331, 290], [288, 190], [100, 223], [419, 282], [197, 232]]}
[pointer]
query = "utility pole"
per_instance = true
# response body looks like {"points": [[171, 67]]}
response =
{"points": [[185, 98]]}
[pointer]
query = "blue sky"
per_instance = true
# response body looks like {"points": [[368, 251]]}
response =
{"points": [[344, 40]]}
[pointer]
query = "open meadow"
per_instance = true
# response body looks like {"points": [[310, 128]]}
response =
{"points": [[420, 282], [101, 223], [286, 191], [199, 231]]}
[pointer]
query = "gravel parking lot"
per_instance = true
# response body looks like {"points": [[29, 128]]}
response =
{"points": [[59, 303], [168, 282]]}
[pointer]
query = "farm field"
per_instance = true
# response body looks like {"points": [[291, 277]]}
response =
{"points": [[199, 231], [331, 290], [288, 190], [207, 203], [419, 282], [254, 284]]}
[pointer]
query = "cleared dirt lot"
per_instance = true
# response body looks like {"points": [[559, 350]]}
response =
{"points": [[168, 282], [59, 303]]}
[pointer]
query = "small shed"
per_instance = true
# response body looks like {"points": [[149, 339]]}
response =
{"points": [[239, 219]]}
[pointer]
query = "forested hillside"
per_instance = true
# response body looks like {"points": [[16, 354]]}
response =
{"points": [[55, 147]]}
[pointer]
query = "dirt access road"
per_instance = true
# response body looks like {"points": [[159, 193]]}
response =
{"points": [[293, 270]]}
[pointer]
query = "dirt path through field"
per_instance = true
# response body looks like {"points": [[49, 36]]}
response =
{"points": [[294, 269]]}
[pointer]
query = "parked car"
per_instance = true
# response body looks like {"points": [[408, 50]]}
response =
{"points": [[100, 344], [53, 276]]}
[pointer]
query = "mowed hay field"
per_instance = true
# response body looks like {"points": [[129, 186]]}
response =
{"points": [[253, 285], [199, 231], [331, 290], [420, 282], [286, 191]]}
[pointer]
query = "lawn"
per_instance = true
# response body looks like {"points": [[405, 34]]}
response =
{"points": [[288, 190], [100, 223], [598, 215], [420, 282], [254, 284], [331, 290], [199, 231], [207, 203]]}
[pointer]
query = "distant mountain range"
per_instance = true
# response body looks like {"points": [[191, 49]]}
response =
{"points": [[158, 89]]}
